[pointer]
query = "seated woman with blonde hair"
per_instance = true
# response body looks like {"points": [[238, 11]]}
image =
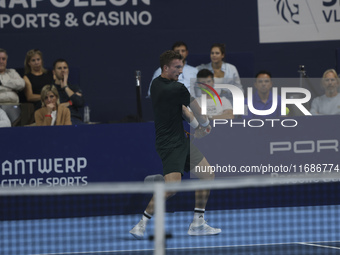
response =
{"points": [[51, 113], [36, 76]]}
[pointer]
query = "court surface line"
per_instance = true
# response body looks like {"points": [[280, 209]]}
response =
{"points": [[322, 246], [193, 248], [235, 246], [90, 252]]}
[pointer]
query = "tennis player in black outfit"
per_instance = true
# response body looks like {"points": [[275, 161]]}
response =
{"points": [[169, 101]]}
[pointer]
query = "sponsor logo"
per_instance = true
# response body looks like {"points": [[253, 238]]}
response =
{"points": [[298, 20], [289, 11], [308, 146]]}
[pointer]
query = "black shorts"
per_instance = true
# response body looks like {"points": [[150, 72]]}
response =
{"points": [[180, 159]]}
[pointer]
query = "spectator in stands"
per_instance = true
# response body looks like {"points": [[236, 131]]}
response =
{"points": [[329, 103], [223, 72], [70, 95], [52, 112], [36, 77], [10, 81], [189, 72], [4, 120], [263, 97], [214, 108]]}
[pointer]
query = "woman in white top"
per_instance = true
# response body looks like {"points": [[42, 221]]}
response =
{"points": [[224, 73]]}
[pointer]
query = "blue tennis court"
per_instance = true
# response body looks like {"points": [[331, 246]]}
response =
{"points": [[284, 230]]}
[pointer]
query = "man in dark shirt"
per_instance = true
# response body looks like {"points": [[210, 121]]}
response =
{"points": [[169, 101], [69, 95], [262, 98]]}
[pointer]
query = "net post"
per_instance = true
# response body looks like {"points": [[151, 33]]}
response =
{"points": [[159, 193]]}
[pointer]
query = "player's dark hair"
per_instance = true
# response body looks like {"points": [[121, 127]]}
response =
{"points": [[263, 72], [59, 60], [178, 44], [167, 56], [221, 46], [204, 73]]}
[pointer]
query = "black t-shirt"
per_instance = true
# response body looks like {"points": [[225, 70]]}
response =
{"points": [[167, 100], [77, 101], [38, 82]]}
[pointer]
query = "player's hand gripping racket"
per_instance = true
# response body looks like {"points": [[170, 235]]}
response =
{"points": [[202, 132]]}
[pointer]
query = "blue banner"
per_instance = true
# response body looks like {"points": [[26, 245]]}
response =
{"points": [[78, 155]]}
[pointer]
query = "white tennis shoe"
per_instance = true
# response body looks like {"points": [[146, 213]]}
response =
{"points": [[139, 230], [203, 230]]}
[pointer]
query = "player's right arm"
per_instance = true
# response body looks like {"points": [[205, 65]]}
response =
{"points": [[196, 109], [188, 116], [196, 120], [201, 130]]}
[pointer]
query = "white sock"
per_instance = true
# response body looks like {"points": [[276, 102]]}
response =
{"points": [[146, 217], [198, 216]]}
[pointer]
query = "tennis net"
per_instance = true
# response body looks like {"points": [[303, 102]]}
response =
{"points": [[255, 215]]}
